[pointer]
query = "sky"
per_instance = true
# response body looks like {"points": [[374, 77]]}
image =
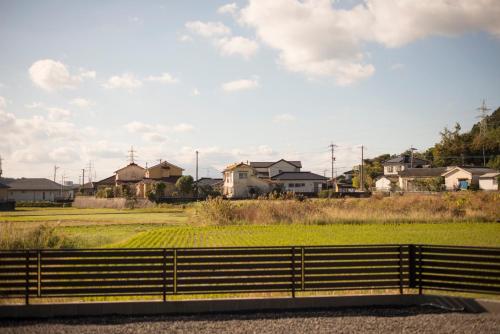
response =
{"points": [[81, 82]]}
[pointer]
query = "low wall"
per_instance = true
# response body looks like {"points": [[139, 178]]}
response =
{"points": [[242, 305], [86, 202]]}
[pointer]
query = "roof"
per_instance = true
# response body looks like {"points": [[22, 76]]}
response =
{"points": [[267, 164], [35, 184], [3, 186], [235, 165], [110, 180], [298, 176], [129, 165], [164, 164], [490, 175], [422, 172], [405, 159], [208, 181], [474, 171]]}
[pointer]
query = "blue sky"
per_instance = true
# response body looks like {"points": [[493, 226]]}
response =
{"points": [[250, 80]]}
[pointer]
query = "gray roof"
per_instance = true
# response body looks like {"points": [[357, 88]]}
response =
{"points": [[35, 184], [422, 172], [478, 170], [299, 176], [266, 164], [3, 186], [405, 159], [207, 181]]}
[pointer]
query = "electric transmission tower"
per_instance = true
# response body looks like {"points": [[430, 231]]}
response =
{"points": [[483, 125]]}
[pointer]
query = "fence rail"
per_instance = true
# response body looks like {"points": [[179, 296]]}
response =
{"points": [[44, 273]]}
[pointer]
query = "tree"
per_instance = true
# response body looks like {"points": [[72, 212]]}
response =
{"points": [[185, 185]]}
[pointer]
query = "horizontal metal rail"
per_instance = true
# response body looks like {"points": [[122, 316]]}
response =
{"points": [[48, 273]]}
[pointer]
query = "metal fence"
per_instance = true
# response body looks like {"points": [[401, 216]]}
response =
{"points": [[44, 273]]}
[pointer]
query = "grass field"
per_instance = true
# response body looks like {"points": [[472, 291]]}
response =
{"points": [[467, 234]]}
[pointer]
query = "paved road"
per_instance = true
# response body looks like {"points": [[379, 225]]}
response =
{"points": [[375, 320]]}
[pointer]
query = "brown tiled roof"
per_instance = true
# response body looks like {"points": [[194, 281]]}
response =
{"points": [[111, 180], [131, 164], [163, 163]]}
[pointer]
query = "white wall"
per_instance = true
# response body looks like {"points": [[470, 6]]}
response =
{"points": [[282, 166], [308, 186], [383, 184], [451, 180], [488, 184]]}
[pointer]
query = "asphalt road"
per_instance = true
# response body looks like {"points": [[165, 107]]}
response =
{"points": [[365, 320]]}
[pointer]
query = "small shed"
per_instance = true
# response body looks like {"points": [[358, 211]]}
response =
{"points": [[489, 181]]}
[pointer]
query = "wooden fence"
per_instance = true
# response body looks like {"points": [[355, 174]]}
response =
{"points": [[44, 273]]}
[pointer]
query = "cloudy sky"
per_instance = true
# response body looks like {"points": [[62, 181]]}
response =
{"points": [[83, 81]]}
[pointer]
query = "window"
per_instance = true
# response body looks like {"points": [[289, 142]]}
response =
{"points": [[389, 169], [243, 175], [291, 185]]}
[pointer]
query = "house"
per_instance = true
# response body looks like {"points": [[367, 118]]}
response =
{"points": [[38, 189], [242, 181], [88, 189], [306, 183], [4, 192], [270, 169], [464, 177], [395, 165], [386, 182], [164, 172], [489, 181], [132, 173], [209, 186], [412, 179]]}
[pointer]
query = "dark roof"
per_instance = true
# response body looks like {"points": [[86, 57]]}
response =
{"points": [[208, 181], [422, 172], [35, 184], [111, 180], [3, 186], [405, 159], [479, 170], [266, 164], [298, 176]]}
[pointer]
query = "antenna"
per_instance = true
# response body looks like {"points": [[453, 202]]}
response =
{"points": [[55, 172], [131, 154], [483, 125], [412, 149]]}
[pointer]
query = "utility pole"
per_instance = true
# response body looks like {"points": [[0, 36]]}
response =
{"points": [[332, 147], [62, 184], [411, 153], [197, 174], [361, 182], [1, 166], [483, 126], [55, 172], [83, 176], [90, 170]]}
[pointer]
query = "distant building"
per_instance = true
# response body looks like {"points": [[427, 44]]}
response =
{"points": [[241, 181], [38, 189], [395, 165], [270, 169], [4, 192], [463, 177], [408, 178], [489, 181], [306, 183]]}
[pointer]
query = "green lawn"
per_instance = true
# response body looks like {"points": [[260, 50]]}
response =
{"points": [[465, 234]]}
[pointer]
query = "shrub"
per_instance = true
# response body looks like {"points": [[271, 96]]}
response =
{"points": [[217, 210], [42, 236]]}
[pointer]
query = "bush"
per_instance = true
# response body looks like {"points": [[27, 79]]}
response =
{"points": [[217, 210], [41, 204], [42, 236]]}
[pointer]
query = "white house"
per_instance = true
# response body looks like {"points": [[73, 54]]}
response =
{"points": [[270, 169], [38, 189], [241, 181], [464, 177], [301, 182], [489, 181], [395, 165]]}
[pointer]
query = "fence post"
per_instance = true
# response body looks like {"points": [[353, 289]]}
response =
{"points": [[302, 269], [174, 283], [27, 290], [164, 275], [293, 272], [420, 257], [400, 269], [411, 266], [39, 274]]}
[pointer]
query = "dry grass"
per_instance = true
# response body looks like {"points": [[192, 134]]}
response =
{"points": [[466, 206]]}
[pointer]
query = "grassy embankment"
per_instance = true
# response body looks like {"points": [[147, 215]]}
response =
{"points": [[455, 219]]}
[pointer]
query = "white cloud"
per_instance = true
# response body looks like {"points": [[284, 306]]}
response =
{"points": [[34, 105], [229, 8], [3, 103], [208, 29], [238, 45], [52, 75], [126, 81], [166, 78], [58, 114], [81, 103], [397, 66], [237, 85], [319, 40], [185, 38], [183, 127], [195, 92], [284, 118]]}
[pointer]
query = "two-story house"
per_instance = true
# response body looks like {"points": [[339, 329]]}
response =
{"points": [[164, 172], [271, 168], [242, 181], [395, 165]]}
